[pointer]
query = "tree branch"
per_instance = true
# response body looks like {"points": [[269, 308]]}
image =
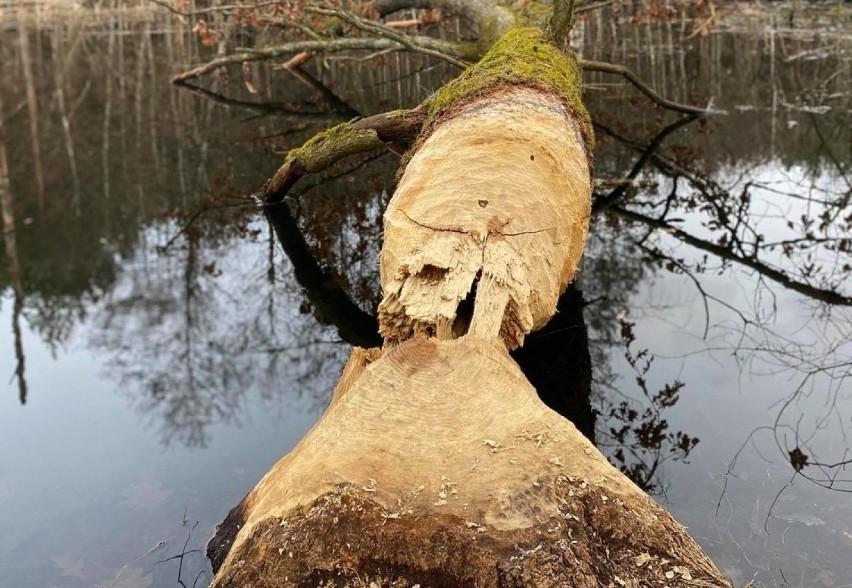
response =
{"points": [[226, 8], [829, 296], [641, 86], [394, 130], [325, 45], [491, 19], [282, 110], [602, 202], [587, 7], [560, 22], [378, 29]]}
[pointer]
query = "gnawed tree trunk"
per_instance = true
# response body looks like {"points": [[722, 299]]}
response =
{"points": [[493, 209], [436, 464]]}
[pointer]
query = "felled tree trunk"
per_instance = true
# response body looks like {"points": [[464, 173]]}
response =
{"points": [[436, 464]]}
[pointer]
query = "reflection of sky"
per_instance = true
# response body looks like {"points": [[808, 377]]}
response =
{"points": [[86, 485], [780, 198], [736, 381]]}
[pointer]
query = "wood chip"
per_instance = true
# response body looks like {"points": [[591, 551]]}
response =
{"points": [[642, 559]]}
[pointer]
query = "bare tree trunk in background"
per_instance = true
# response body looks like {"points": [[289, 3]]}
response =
{"points": [[65, 118], [10, 244], [108, 99], [33, 112]]}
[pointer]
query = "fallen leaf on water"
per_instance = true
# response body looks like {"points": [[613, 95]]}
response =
{"points": [[67, 566], [130, 578], [146, 495]]}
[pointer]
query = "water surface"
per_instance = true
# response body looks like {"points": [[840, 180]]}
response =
{"points": [[172, 345]]}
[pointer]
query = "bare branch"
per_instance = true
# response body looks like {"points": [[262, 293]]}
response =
{"points": [[641, 86], [281, 110], [380, 30], [225, 8], [314, 45], [829, 296], [298, 60], [588, 7], [393, 130], [492, 19], [602, 202], [292, 24]]}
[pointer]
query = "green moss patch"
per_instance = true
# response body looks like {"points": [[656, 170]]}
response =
{"points": [[325, 148], [522, 57]]}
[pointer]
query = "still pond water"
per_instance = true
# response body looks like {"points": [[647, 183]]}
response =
{"points": [[162, 347]]}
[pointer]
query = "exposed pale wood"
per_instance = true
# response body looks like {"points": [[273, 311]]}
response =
{"points": [[436, 464], [500, 193], [355, 366], [443, 445]]}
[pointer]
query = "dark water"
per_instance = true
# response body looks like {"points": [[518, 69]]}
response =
{"points": [[170, 346]]}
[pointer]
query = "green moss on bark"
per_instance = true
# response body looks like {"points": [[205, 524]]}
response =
{"points": [[522, 57], [325, 148]]}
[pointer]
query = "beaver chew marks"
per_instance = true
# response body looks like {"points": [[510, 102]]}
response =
{"points": [[449, 265]]}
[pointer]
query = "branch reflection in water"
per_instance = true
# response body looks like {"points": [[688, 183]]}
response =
{"points": [[723, 251]]}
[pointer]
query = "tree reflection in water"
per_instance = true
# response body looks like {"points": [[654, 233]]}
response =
{"points": [[750, 211], [789, 238]]}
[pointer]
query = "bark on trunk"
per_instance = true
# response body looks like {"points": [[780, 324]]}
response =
{"points": [[436, 464]]}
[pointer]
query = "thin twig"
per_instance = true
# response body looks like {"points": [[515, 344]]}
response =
{"points": [[197, 214], [292, 24], [183, 553], [225, 8], [593, 6], [829, 296], [380, 30]]}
